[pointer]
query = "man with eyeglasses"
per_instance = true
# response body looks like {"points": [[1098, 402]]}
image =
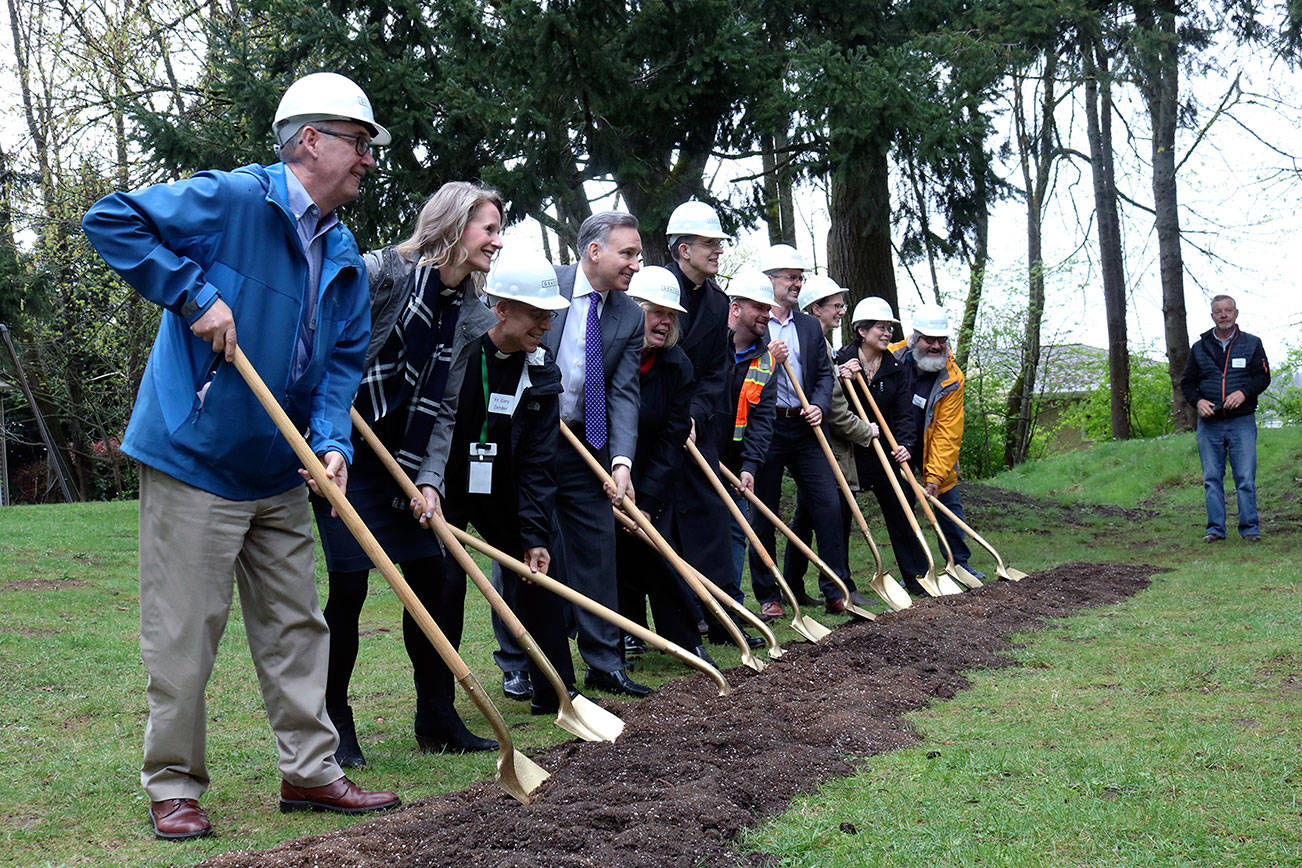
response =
{"points": [[220, 490], [823, 299], [937, 402], [796, 339]]}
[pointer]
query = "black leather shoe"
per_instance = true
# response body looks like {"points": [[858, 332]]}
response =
{"points": [[633, 646], [349, 752], [803, 598], [516, 685], [615, 682], [700, 651]]}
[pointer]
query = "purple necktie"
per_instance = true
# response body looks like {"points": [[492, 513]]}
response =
{"points": [[594, 378]]}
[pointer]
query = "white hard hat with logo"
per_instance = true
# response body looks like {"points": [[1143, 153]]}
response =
{"points": [[656, 285], [931, 320], [528, 278], [695, 218], [326, 96], [752, 285], [781, 256], [872, 309], [816, 288]]}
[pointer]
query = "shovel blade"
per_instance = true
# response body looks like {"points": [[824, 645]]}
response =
{"points": [[600, 723], [885, 586], [750, 661], [1011, 574], [860, 612], [809, 628], [947, 585], [519, 775], [964, 576], [929, 585]]}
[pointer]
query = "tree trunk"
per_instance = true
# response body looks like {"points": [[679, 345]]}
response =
{"points": [[1161, 89], [977, 268], [1098, 116], [859, 252]]}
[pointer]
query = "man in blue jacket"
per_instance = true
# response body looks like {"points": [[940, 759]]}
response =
{"points": [[1226, 371], [220, 491]]}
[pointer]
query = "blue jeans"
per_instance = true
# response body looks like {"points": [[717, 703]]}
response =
{"points": [[1235, 438]]}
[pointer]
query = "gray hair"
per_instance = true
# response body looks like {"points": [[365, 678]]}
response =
{"points": [[675, 330], [677, 241], [599, 226], [1230, 299]]}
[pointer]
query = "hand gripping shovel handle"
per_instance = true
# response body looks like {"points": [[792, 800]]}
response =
{"points": [[800, 622], [774, 649], [931, 583], [568, 717], [962, 574], [655, 640], [517, 774], [882, 584], [754, 500], [680, 566]]}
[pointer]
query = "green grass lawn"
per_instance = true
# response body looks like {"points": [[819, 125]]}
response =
{"points": [[1164, 730]]}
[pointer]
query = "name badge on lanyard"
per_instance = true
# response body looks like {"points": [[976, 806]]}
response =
{"points": [[481, 468]]}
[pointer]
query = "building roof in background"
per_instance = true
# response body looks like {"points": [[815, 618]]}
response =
{"points": [[1071, 370]]}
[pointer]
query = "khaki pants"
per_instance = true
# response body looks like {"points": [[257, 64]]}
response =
{"points": [[192, 544]]}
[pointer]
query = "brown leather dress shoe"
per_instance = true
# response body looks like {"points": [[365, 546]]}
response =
{"points": [[343, 796], [835, 607], [179, 820]]}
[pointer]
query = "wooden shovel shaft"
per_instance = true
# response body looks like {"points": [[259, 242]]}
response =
{"points": [[560, 589], [889, 469], [680, 566], [463, 559], [351, 519], [908, 471], [737, 516], [754, 500], [836, 470]]}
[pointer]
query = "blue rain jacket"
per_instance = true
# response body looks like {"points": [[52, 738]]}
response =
{"points": [[231, 235]]}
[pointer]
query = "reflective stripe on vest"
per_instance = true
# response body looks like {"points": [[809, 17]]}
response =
{"points": [[761, 370]]}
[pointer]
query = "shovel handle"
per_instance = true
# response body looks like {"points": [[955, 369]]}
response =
{"points": [[462, 557], [351, 519], [908, 471], [836, 469], [754, 500], [680, 566]]}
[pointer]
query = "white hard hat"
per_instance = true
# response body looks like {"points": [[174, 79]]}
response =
{"points": [[816, 288], [751, 285], [657, 286], [781, 256], [931, 320], [694, 218], [326, 96], [872, 309], [527, 278]]}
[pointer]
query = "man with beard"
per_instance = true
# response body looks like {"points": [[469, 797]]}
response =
{"points": [[938, 413], [751, 391]]}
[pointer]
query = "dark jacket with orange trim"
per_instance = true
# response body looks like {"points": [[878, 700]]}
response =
{"points": [[746, 453], [942, 429], [1212, 372]]}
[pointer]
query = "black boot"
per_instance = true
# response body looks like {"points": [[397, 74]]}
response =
{"points": [[349, 752], [700, 651], [440, 730]]}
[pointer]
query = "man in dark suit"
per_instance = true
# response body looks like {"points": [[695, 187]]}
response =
{"points": [[797, 338], [597, 341]]}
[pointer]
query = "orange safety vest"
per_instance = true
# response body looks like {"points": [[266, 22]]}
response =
{"points": [[760, 372]]}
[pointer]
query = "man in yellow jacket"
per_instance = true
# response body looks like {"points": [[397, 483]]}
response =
{"points": [[938, 411]]}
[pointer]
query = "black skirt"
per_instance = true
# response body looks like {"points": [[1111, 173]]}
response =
{"points": [[385, 510]]}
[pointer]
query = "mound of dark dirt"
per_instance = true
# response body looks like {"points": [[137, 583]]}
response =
{"points": [[692, 769]]}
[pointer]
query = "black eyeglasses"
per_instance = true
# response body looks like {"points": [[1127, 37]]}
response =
{"points": [[361, 142]]}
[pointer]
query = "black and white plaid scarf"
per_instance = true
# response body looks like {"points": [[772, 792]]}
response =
{"points": [[411, 370]]}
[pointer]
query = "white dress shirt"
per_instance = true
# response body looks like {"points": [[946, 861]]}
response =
{"points": [[571, 355]]}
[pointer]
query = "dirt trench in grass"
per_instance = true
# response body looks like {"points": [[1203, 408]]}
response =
{"points": [[693, 769]]}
